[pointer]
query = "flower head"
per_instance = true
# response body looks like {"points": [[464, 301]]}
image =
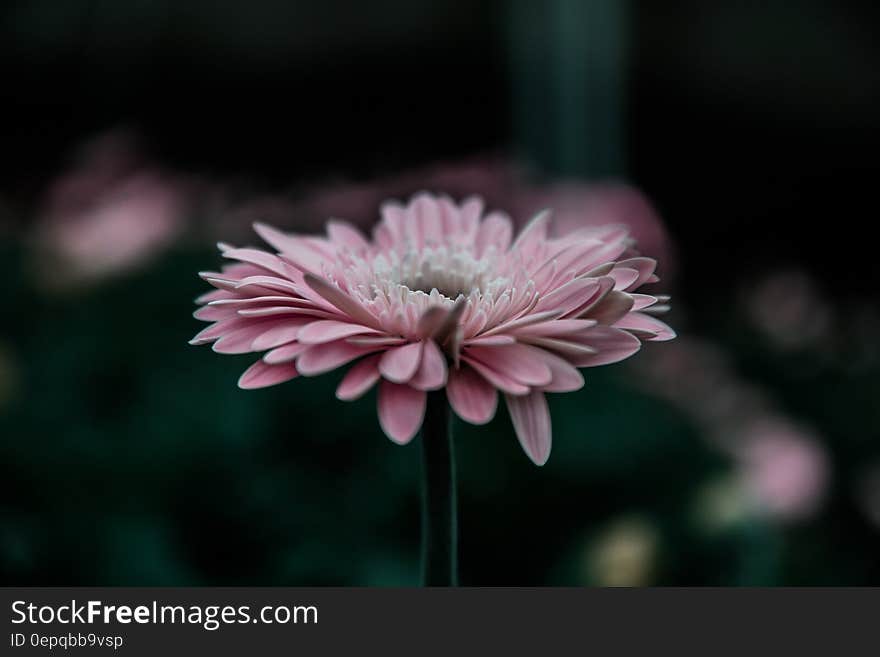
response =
{"points": [[443, 296]]}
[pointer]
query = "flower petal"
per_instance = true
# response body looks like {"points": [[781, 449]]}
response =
{"points": [[534, 233], [520, 362], [614, 306], [472, 398], [566, 377], [340, 300], [556, 327], [399, 364], [569, 296], [531, 421], [285, 354], [328, 330], [359, 379], [295, 248], [240, 340], [431, 374], [344, 234], [500, 381], [612, 345], [401, 411], [495, 230], [261, 375], [645, 267], [624, 277], [659, 331], [268, 261], [320, 358], [281, 333]]}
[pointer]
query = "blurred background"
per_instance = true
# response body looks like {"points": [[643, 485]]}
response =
{"points": [[737, 139]]}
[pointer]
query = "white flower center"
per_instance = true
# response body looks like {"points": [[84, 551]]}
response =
{"points": [[449, 270], [389, 282]]}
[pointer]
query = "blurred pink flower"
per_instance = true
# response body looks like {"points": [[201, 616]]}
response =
{"points": [[785, 468], [109, 214], [781, 466], [441, 297], [579, 205]]}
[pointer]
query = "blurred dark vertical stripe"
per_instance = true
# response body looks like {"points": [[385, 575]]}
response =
{"points": [[569, 61]]}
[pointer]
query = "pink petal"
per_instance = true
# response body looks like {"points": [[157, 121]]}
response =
{"points": [[214, 331], [375, 341], [260, 375], [470, 211], [531, 421], [500, 381], [285, 354], [643, 301], [261, 285], [401, 411], [614, 306], [624, 277], [450, 221], [240, 341], [344, 234], [431, 374], [290, 311], [213, 313], [472, 398], [521, 363], [612, 345], [222, 327], [556, 327], [566, 377], [393, 218], [399, 364], [495, 230], [527, 320], [285, 331], [222, 283], [237, 303], [569, 296], [359, 379], [534, 233], [320, 358], [645, 267], [213, 295], [295, 248], [606, 285], [641, 322], [264, 259], [570, 348], [490, 341], [274, 237], [340, 300], [328, 330], [427, 225]]}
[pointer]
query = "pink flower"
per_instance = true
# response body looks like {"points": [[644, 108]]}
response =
{"points": [[785, 467], [110, 213], [441, 297]]}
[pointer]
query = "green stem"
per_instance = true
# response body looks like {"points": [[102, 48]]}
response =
{"points": [[439, 512]]}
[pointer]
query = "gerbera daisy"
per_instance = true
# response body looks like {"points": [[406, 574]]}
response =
{"points": [[441, 297]]}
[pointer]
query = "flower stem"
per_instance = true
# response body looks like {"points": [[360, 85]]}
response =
{"points": [[439, 510]]}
